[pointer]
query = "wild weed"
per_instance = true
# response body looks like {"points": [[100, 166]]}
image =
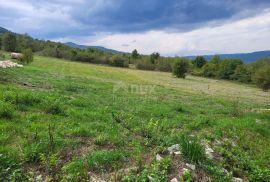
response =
{"points": [[192, 151]]}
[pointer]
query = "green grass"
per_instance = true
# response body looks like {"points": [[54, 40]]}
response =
{"points": [[100, 119]]}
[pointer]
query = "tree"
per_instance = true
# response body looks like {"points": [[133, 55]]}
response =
{"points": [[180, 68], [27, 56], [154, 56], [9, 42], [199, 61], [242, 73], [262, 77], [135, 54], [0, 43], [211, 68], [227, 68], [119, 61], [215, 59]]}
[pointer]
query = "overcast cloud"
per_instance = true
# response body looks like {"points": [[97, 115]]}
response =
{"points": [[171, 27]]}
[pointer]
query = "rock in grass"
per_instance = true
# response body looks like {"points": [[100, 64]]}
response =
{"points": [[191, 166], [185, 170], [258, 121], [9, 64], [158, 157], [94, 178], [151, 178], [174, 180], [209, 152], [237, 180], [174, 148]]}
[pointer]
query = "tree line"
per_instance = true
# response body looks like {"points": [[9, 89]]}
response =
{"points": [[228, 69]]}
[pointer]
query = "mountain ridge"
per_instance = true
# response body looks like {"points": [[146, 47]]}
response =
{"points": [[246, 57], [74, 45]]}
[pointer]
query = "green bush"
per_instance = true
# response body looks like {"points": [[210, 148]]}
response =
{"points": [[9, 42], [180, 68], [145, 64], [118, 61], [199, 61], [27, 56], [164, 64], [227, 68], [262, 77], [242, 74]]}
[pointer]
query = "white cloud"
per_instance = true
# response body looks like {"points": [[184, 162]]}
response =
{"points": [[244, 35], [36, 19]]}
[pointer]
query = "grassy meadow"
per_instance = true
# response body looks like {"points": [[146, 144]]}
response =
{"points": [[70, 121]]}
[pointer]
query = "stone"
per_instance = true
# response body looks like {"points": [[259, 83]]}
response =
{"points": [[174, 180], [174, 148], [226, 171], [237, 179], [158, 157], [178, 153], [185, 170], [209, 152], [9, 64], [94, 178], [151, 178], [258, 121], [191, 166]]}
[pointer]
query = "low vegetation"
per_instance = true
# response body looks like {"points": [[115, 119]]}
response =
{"points": [[69, 121], [228, 69]]}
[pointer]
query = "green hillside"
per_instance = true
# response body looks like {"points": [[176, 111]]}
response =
{"points": [[70, 121]]}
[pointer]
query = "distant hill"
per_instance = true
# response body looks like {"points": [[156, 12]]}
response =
{"points": [[3, 30], [246, 57], [71, 44]]}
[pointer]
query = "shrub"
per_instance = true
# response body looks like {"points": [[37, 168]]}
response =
{"points": [[262, 77], [6, 110], [145, 64], [180, 68], [242, 73], [27, 56], [228, 67], [164, 64], [9, 41], [118, 61], [199, 61]]}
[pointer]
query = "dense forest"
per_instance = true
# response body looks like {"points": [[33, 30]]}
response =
{"points": [[229, 69]]}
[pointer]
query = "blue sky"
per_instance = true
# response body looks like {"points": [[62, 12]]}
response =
{"points": [[171, 27]]}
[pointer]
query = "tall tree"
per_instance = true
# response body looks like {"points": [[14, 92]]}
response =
{"points": [[180, 68], [9, 42], [154, 56], [135, 54], [199, 61]]}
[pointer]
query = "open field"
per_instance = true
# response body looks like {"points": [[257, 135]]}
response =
{"points": [[67, 121]]}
